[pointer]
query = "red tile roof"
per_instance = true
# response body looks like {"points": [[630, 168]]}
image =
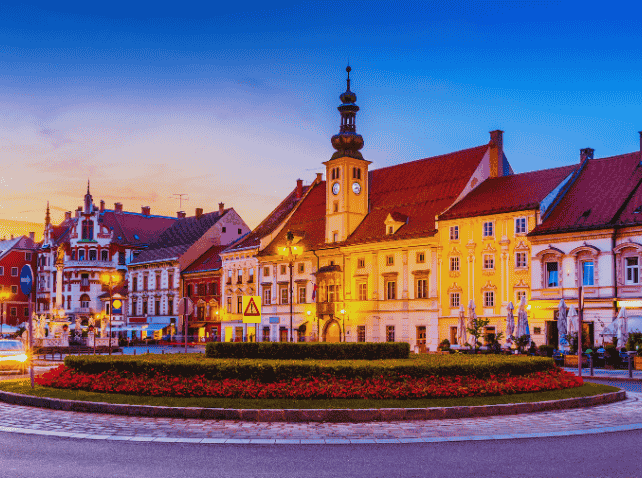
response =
{"points": [[517, 192], [599, 197], [270, 223], [418, 190], [132, 228], [209, 261]]}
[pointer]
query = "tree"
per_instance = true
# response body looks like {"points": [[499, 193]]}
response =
{"points": [[478, 325]]}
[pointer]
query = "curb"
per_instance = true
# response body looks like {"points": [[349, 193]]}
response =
{"points": [[311, 415]]}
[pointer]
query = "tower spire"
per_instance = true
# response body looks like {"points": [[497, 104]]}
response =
{"points": [[348, 142], [47, 216], [88, 200]]}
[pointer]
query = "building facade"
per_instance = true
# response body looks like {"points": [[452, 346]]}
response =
{"points": [[15, 253]]}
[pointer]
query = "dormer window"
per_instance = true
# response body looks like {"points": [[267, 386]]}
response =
{"points": [[394, 221], [391, 230]]}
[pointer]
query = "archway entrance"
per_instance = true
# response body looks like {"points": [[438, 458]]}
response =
{"points": [[301, 333], [332, 332]]}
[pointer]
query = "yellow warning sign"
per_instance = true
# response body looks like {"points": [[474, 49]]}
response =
{"points": [[251, 309]]}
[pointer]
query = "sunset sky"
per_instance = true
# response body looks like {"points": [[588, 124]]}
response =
{"points": [[233, 101]]}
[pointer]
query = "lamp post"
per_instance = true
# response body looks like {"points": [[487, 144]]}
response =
{"points": [[343, 323], [5, 295], [290, 251], [110, 279]]}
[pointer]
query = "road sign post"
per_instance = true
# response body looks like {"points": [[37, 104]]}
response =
{"points": [[26, 285], [185, 308]]}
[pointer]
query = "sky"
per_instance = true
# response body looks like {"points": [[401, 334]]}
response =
{"points": [[233, 102]]}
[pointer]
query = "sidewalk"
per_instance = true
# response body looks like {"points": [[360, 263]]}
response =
{"points": [[620, 374]]}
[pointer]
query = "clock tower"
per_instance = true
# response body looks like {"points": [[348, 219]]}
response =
{"points": [[346, 175]]}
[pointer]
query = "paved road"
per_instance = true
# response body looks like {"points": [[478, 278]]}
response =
{"points": [[604, 455]]}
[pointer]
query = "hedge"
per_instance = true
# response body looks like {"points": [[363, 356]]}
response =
{"points": [[302, 351], [480, 366]]}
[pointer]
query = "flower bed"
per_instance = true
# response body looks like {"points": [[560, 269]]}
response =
{"points": [[323, 387]]}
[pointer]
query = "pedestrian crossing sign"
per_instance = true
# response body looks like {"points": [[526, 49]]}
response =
{"points": [[251, 309]]}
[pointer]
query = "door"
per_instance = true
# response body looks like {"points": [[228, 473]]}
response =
{"points": [[333, 332], [238, 334], [283, 334], [552, 334]]}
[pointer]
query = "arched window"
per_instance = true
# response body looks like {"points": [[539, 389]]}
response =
{"points": [[84, 301]]}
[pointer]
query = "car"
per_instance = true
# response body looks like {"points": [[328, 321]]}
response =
{"points": [[13, 355]]}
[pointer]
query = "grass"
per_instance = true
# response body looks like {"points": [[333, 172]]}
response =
{"points": [[22, 386]]}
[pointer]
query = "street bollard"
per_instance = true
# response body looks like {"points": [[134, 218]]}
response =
{"points": [[591, 364], [630, 366]]}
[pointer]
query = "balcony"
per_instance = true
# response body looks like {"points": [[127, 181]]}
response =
{"points": [[325, 308], [83, 310], [101, 264]]}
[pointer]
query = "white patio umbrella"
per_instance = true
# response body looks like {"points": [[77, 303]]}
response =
{"points": [[571, 320], [561, 323], [522, 319], [622, 332], [471, 316], [462, 335], [510, 320]]}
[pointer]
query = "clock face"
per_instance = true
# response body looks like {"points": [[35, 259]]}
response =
{"points": [[336, 187], [356, 188]]}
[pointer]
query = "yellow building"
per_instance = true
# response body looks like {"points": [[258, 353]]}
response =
{"points": [[484, 254]]}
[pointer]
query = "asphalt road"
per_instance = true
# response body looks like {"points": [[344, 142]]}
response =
{"points": [[603, 455], [628, 386]]}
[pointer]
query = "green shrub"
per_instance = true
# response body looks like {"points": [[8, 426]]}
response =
{"points": [[444, 345], [302, 351], [274, 370], [546, 350]]}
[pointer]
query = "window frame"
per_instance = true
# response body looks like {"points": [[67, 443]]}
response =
{"points": [[421, 288], [453, 233], [588, 280], [488, 262], [455, 304], [521, 225], [267, 296], [518, 264], [361, 333], [362, 290], [390, 333], [454, 264], [302, 289], [421, 257], [488, 229], [547, 281], [631, 268], [284, 299], [489, 298], [391, 289]]}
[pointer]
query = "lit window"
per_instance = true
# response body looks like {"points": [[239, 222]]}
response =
{"points": [[239, 304], [488, 229], [588, 276], [632, 270], [390, 333], [489, 299], [331, 293], [552, 278], [454, 300], [520, 225], [489, 261], [521, 260], [250, 278], [454, 264], [454, 233], [361, 333]]}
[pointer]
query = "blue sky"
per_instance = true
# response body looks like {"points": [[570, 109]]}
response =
{"points": [[234, 102]]}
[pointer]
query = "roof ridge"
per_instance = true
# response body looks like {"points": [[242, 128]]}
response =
{"points": [[430, 158]]}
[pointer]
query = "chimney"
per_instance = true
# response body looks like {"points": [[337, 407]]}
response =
{"points": [[586, 153], [319, 177], [299, 188], [78, 211], [102, 205], [145, 210], [11, 236], [199, 212], [67, 215], [221, 208], [496, 153], [32, 236], [180, 214], [118, 206]]}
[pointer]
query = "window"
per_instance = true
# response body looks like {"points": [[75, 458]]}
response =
{"points": [[283, 269], [488, 229], [335, 237], [552, 279], [390, 333], [361, 263], [489, 299], [632, 270], [356, 173], [489, 261], [73, 255], [224, 229], [81, 254], [157, 307], [266, 272], [158, 281], [588, 276], [331, 293], [391, 230], [454, 264], [14, 289], [239, 231], [390, 260], [284, 295], [14, 272], [361, 333], [121, 258], [302, 294], [27, 256], [422, 288], [455, 300], [93, 255], [135, 283], [454, 233], [14, 311], [301, 267], [1, 271], [134, 307], [250, 278], [391, 290], [228, 305], [88, 230], [520, 294], [421, 257], [229, 276], [170, 280], [104, 256], [84, 280], [239, 276], [362, 287], [84, 301], [266, 334], [335, 206], [267, 296], [520, 225], [521, 260], [239, 304], [170, 306]]}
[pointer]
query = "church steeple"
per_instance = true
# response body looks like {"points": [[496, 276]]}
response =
{"points": [[347, 142], [88, 200], [47, 216]]}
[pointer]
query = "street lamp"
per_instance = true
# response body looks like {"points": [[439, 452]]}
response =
{"points": [[5, 295], [110, 279], [289, 252]]}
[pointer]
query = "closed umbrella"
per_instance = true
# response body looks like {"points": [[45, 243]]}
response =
{"points": [[472, 317], [561, 323], [522, 319], [462, 335], [510, 320], [622, 334], [571, 321]]}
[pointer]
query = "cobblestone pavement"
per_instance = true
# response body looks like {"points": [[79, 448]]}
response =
{"points": [[626, 415]]}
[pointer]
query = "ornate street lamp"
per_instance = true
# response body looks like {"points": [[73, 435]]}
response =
{"points": [[5, 295], [110, 279], [290, 252]]}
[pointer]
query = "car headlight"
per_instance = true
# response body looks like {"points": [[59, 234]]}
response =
{"points": [[21, 358]]}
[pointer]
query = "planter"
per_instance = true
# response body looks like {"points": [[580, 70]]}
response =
{"points": [[637, 363], [571, 361]]}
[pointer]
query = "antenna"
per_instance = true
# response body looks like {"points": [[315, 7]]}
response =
{"points": [[179, 196]]}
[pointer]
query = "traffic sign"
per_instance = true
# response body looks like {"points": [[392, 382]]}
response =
{"points": [[185, 306], [26, 279], [251, 309]]}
